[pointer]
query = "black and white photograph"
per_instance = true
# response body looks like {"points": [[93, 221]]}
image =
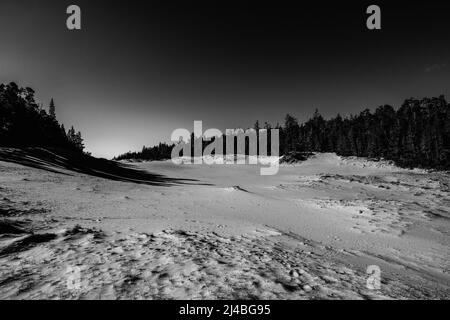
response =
{"points": [[224, 151]]}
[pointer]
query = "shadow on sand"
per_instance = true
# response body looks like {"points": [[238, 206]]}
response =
{"points": [[54, 160]]}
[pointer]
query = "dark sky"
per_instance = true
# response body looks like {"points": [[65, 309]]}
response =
{"points": [[140, 69]]}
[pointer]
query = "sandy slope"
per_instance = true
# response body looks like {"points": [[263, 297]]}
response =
{"points": [[225, 232]]}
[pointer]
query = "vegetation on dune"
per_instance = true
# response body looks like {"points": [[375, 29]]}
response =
{"points": [[160, 152], [24, 123], [415, 135]]}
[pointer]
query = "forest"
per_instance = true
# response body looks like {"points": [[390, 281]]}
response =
{"points": [[415, 135], [25, 123]]}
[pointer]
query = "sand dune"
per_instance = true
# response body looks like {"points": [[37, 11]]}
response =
{"points": [[222, 231]]}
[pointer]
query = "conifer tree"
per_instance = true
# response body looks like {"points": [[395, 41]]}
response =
{"points": [[52, 109]]}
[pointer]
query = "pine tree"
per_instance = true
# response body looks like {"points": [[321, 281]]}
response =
{"points": [[257, 127], [52, 109], [71, 134], [79, 141], [291, 134]]}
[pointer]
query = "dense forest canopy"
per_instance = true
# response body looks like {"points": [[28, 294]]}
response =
{"points": [[24, 123], [417, 134]]}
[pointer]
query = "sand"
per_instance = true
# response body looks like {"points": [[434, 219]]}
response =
{"points": [[225, 232]]}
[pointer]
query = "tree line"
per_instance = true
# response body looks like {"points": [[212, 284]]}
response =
{"points": [[25, 123], [162, 151], [415, 135]]}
